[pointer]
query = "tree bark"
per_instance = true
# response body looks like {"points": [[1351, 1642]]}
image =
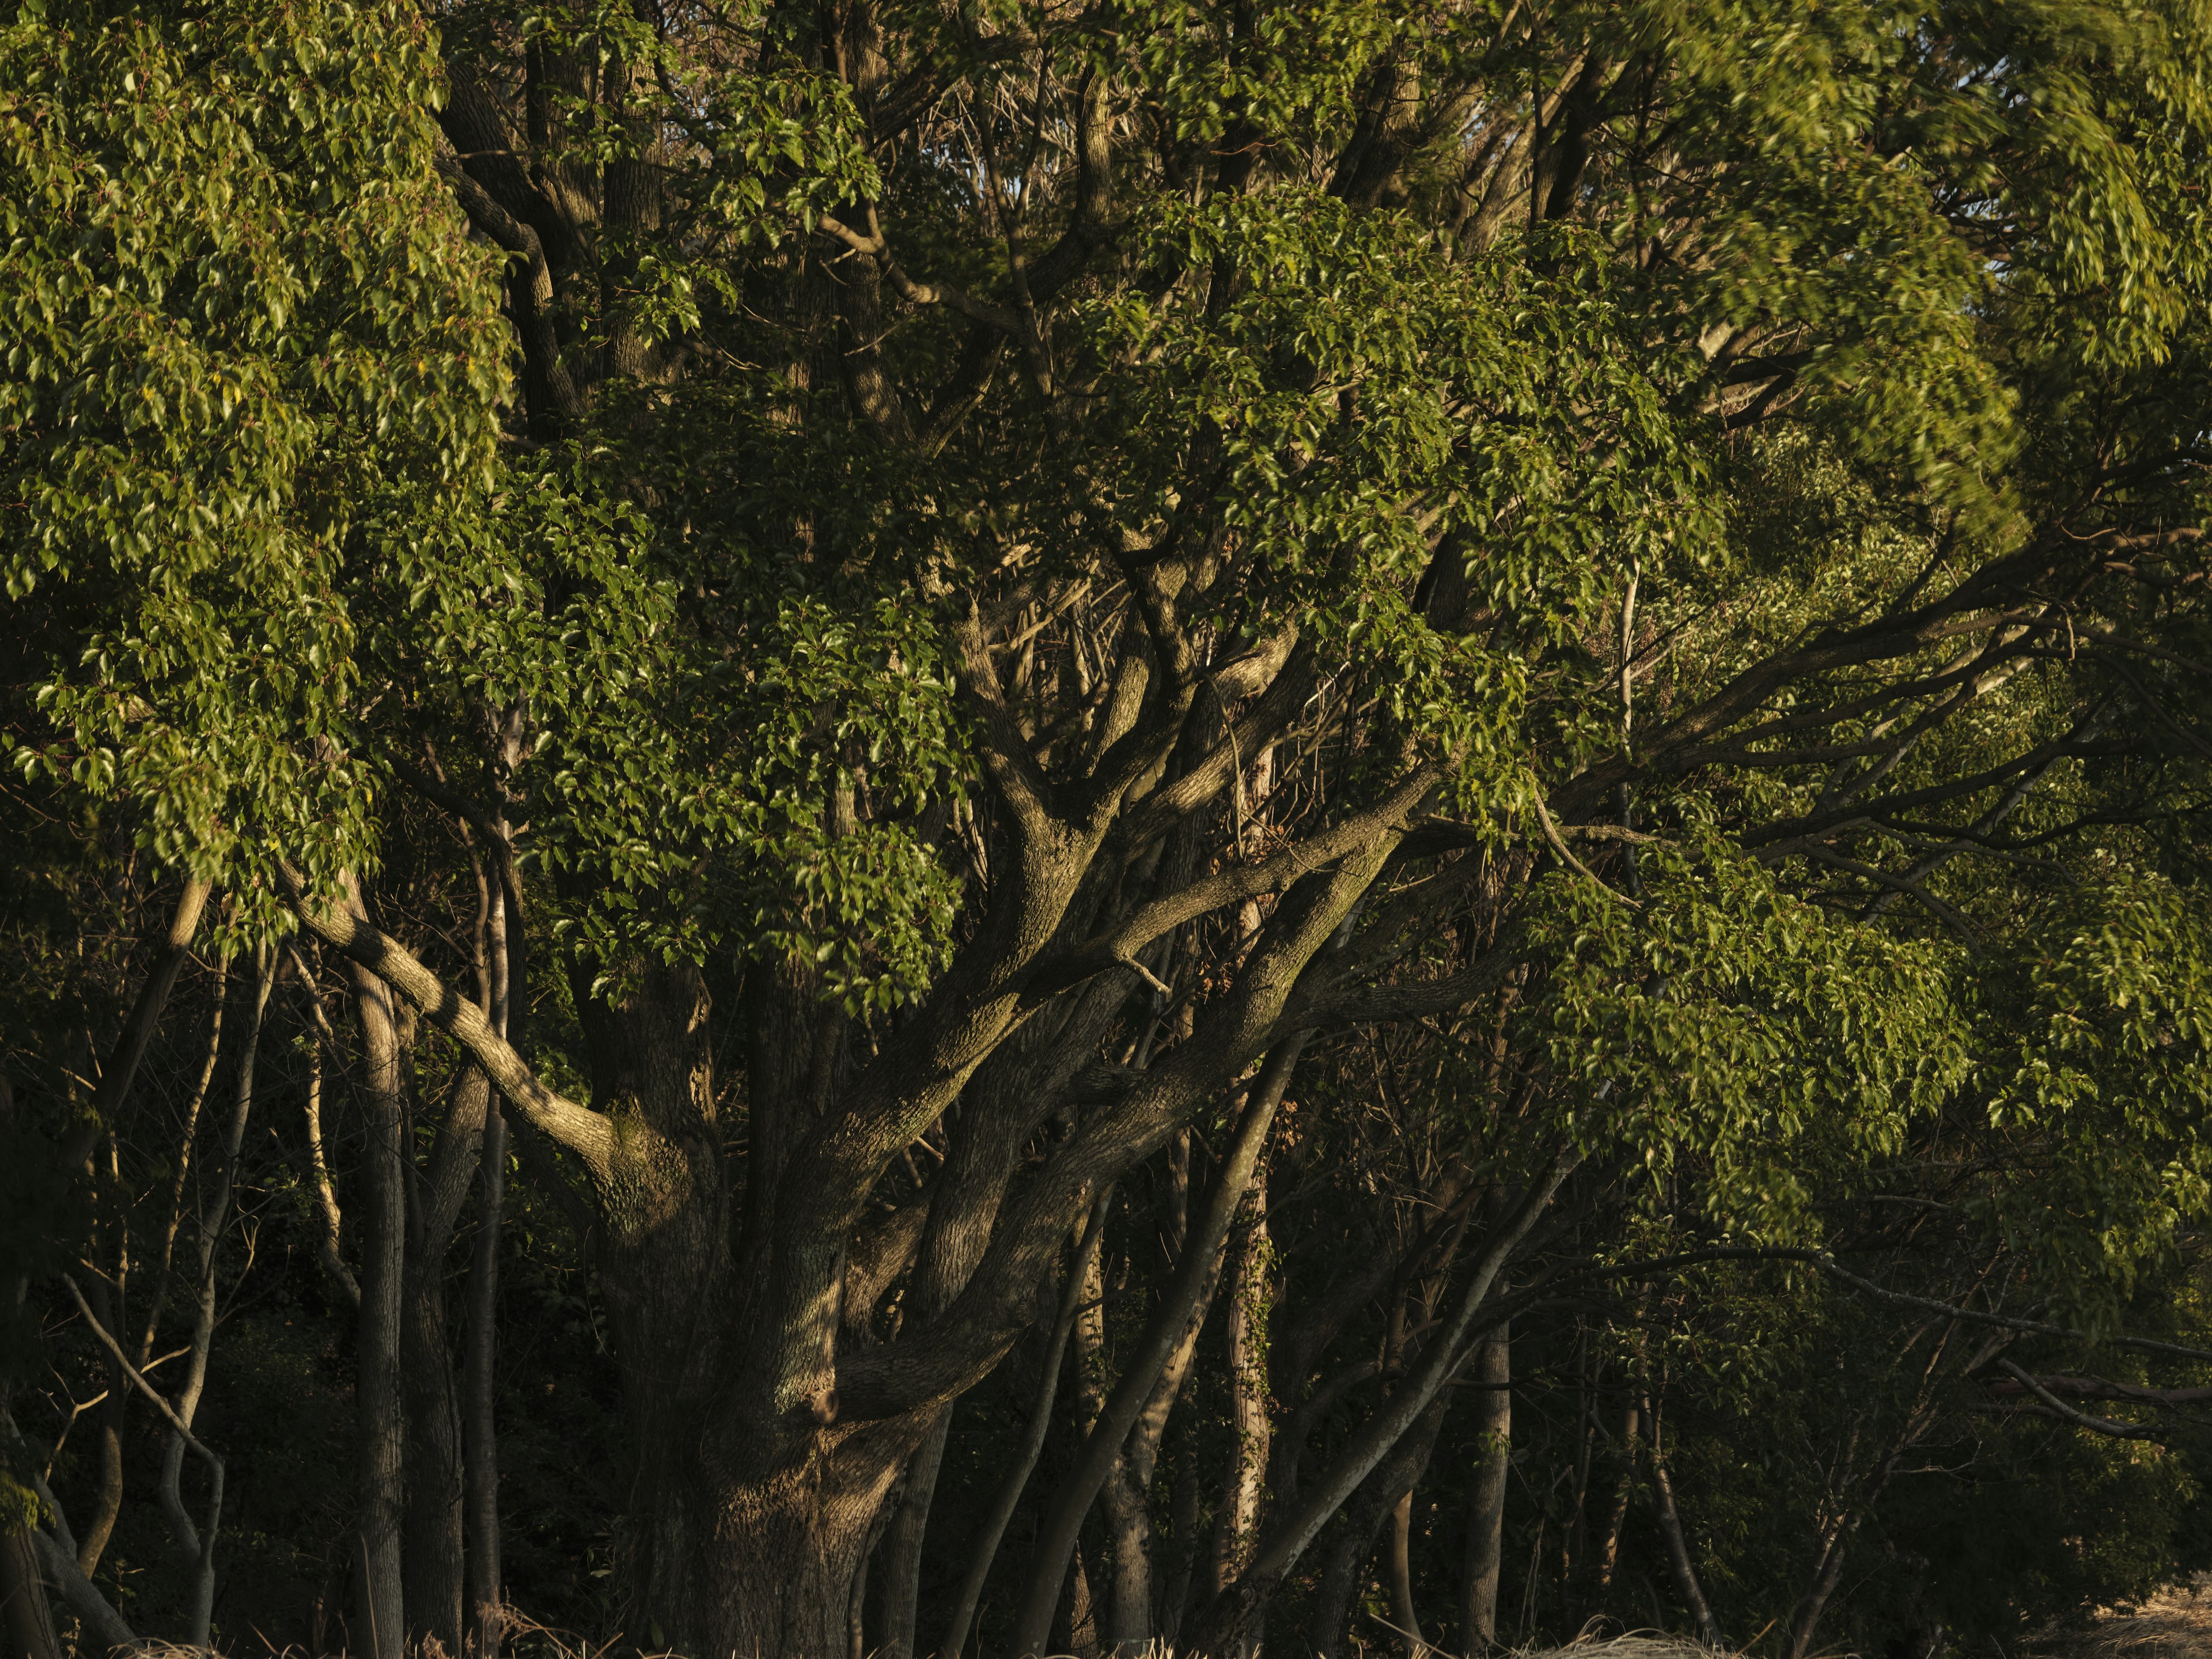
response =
{"points": [[213, 1221], [487, 1623], [434, 1553], [1237, 1523], [1485, 1520], [1402, 1610], [1680, 1562], [986, 1548], [1151, 1352], [899, 1556], [485, 1597], [433, 1550], [27, 1619], [379, 1421]]}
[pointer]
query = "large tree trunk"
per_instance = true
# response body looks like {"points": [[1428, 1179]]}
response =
{"points": [[765, 1565]]}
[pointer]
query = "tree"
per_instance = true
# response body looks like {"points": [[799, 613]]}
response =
{"points": [[1050, 564]]}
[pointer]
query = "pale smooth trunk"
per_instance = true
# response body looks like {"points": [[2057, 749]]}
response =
{"points": [[380, 1492], [1238, 1525], [485, 1599], [1486, 1526], [484, 1595]]}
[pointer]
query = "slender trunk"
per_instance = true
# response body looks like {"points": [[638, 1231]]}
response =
{"points": [[1288, 1534], [1402, 1610], [1680, 1563], [121, 1070], [900, 1553], [1607, 1555], [485, 1598], [107, 1506], [1009, 1494], [116, 1078], [856, 1636], [1343, 1570], [1239, 1522], [380, 1497], [1151, 1351], [1141, 1609], [331, 1230], [213, 1221], [434, 1557], [1486, 1521], [487, 1622], [432, 1551], [1180, 1596], [1122, 1613], [1805, 1617], [187, 1143]]}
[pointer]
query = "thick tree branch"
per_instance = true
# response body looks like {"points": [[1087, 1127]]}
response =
{"points": [[587, 1134]]}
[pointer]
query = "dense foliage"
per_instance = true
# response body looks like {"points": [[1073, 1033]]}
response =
{"points": [[870, 826]]}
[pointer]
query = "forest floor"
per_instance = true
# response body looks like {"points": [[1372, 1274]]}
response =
{"points": [[2174, 1623]]}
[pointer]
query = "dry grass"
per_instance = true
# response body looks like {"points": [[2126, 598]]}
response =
{"points": [[2174, 1623], [1630, 1644], [1634, 1645]]}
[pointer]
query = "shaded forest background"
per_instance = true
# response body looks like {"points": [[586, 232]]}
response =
{"points": [[894, 827]]}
